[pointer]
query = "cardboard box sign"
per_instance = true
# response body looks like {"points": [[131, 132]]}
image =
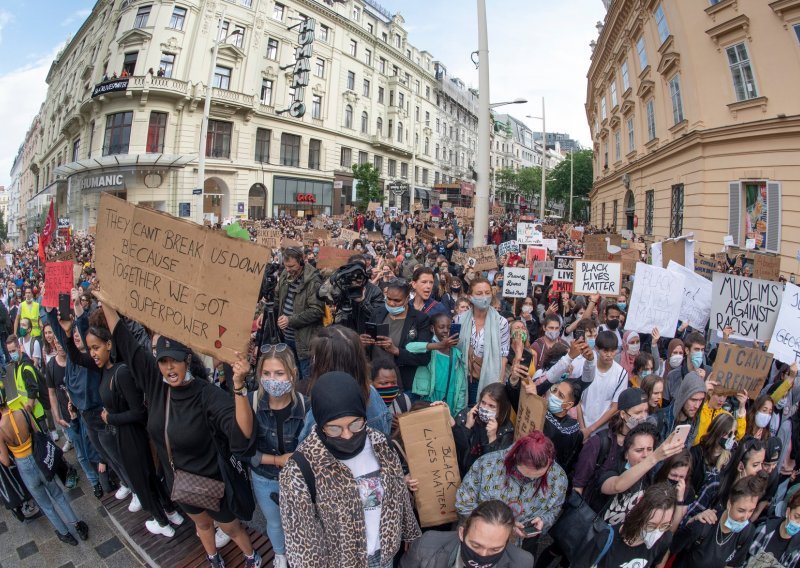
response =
{"points": [[596, 248], [321, 234], [704, 266], [785, 341], [269, 238], [498, 210], [530, 414], [576, 235], [464, 212], [748, 305], [740, 368], [375, 237], [460, 258], [373, 206], [602, 278], [59, 278], [431, 452], [766, 267], [349, 235], [629, 259], [331, 257], [291, 243], [191, 284], [484, 258]]}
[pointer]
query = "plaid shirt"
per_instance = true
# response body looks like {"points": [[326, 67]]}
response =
{"points": [[763, 535]]}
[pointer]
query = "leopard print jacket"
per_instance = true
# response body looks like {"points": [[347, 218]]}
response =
{"points": [[333, 534]]}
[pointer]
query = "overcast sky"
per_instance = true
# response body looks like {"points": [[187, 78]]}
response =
{"points": [[537, 48]]}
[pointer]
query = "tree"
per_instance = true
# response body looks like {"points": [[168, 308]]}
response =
{"points": [[505, 183], [3, 227], [558, 182], [368, 184]]}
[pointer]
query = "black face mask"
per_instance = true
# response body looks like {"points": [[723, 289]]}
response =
{"points": [[473, 560], [612, 324], [344, 449]]}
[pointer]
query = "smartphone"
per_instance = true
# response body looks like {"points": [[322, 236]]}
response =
{"points": [[682, 432], [63, 307], [530, 530], [383, 329], [578, 334], [455, 329], [527, 359], [371, 329]]}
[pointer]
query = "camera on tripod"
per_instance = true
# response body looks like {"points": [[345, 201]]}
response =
{"points": [[344, 286]]}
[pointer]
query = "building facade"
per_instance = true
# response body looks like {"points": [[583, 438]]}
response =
{"points": [[696, 122]]}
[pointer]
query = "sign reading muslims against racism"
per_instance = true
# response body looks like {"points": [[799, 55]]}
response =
{"points": [[186, 282], [748, 305], [656, 300], [515, 282], [432, 460], [593, 277], [739, 369], [785, 342], [530, 413], [58, 279]]}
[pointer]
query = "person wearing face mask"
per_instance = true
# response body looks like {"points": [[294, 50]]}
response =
{"points": [[709, 459], [526, 312], [612, 323], [645, 536], [694, 361], [684, 408], [344, 501], [675, 356], [776, 542], [720, 539], [21, 370], [677, 471], [29, 310], [631, 351], [484, 428], [481, 541], [562, 428], [280, 413], [452, 294], [599, 403], [759, 417], [386, 380], [451, 244], [552, 335], [408, 263]]}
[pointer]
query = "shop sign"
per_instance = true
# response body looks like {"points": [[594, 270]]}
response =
{"points": [[110, 87], [63, 223], [101, 181], [305, 198], [302, 66]]}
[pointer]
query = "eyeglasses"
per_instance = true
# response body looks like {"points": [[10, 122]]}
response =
{"points": [[662, 527], [270, 347], [355, 426]]}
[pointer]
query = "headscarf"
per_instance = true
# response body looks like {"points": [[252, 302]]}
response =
{"points": [[672, 345], [334, 395], [625, 358]]}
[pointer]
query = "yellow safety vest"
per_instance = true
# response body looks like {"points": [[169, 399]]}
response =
{"points": [[32, 313], [19, 403]]}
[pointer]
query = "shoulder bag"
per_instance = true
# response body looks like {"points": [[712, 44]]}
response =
{"points": [[48, 456]]}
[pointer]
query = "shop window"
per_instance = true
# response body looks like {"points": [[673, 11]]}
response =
{"points": [[118, 133], [156, 132], [290, 150], [218, 139], [263, 136]]}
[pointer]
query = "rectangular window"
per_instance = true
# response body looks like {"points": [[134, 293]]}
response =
{"points": [[319, 70], [404, 170], [363, 158], [141, 16], [427, 92], [651, 120], [677, 102], [377, 163], [649, 205], [401, 100], [617, 145], [167, 64], [392, 168], [118, 133], [368, 57], [129, 63], [323, 32], [642, 51], [370, 29], [661, 23], [262, 145], [676, 218], [156, 132], [366, 88], [797, 31], [603, 112], [272, 50], [605, 155], [351, 81], [356, 14], [603, 215], [218, 139], [380, 94], [424, 176], [316, 106], [222, 77], [178, 18], [755, 213], [614, 215], [314, 154], [346, 158], [613, 93], [266, 92], [353, 48], [290, 150], [237, 37], [631, 139], [278, 10], [76, 149], [626, 82], [744, 84], [382, 65]]}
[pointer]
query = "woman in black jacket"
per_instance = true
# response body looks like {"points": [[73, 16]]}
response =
{"points": [[201, 422], [484, 428]]}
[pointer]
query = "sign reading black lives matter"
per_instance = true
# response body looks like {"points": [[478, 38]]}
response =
{"points": [[184, 281], [302, 67], [748, 305], [595, 277]]}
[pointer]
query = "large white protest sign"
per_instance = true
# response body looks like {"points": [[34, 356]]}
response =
{"points": [[785, 342], [696, 306], [597, 277], [528, 234], [656, 300], [550, 244], [748, 305], [515, 282]]}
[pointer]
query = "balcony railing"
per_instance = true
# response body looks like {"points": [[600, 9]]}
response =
{"points": [[160, 83]]}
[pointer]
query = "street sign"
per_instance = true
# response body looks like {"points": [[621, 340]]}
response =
{"points": [[197, 192]]}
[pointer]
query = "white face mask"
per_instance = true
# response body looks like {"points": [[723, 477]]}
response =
{"points": [[552, 335], [651, 537], [527, 309], [675, 361], [633, 348], [762, 419]]}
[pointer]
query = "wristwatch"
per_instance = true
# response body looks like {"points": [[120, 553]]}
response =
{"points": [[241, 391]]}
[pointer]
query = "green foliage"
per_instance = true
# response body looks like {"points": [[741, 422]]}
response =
{"points": [[559, 179], [3, 227], [368, 184]]}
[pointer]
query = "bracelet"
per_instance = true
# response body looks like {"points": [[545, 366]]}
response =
{"points": [[241, 391]]}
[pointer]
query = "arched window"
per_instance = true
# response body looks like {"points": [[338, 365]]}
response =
{"points": [[379, 126], [364, 122], [348, 116], [399, 131]]}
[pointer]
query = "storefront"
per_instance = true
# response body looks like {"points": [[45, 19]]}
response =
{"points": [[295, 197]]}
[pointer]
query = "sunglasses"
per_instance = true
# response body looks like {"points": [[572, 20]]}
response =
{"points": [[270, 347]]}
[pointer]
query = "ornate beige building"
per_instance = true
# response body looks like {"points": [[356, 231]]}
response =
{"points": [[695, 121]]}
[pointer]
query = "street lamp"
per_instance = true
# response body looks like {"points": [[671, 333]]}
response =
{"points": [[201, 161], [518, 101], [544, 161]]}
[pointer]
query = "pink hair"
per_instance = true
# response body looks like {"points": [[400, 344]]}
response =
{"points": [[534, 450]]}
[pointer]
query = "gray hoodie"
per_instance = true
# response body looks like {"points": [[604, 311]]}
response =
{"points": [[667, 417]]}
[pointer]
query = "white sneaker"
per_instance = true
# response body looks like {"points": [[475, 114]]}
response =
{"points": [[154, 528], [279, 561], [54, 435], [135, 506], [122, 492], [67, 446], [175, 518], [220, 538]]}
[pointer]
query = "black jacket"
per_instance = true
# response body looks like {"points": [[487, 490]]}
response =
{"points": [[416, 327], [437, 549], [362, 311]]}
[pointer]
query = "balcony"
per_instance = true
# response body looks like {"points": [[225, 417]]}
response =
{"points": [[167, 84]]}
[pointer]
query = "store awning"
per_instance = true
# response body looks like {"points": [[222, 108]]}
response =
{"points": [[422, 193], [126, 160]]}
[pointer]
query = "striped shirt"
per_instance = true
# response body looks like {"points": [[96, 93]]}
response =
{"points": [[288, 306]]}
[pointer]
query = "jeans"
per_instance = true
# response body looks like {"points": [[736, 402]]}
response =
{"points": [[84, 450], [303, 365], [262, 488], [472, 390], [48, 495]]}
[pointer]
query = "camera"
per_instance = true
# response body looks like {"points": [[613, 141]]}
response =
{"points": [[344, 286]]}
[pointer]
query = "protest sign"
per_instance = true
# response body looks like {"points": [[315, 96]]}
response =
{"points": [[515, 282], [727, 240], [507, 247], [748, 305], [427, 235], [431, 452], [331, 257], [739, 369], [563, 273], [704, 266], [592, 277], [785, 341], [750, 244], [349, 235], [373, 205], [696, 305], [269, 238], [530, 414], [498, 210], [375, 237], [595, 247], [291, 243], [655, 301], [534, 255], [576, 235], [58, 279], [411, 233], [9, 260], [320, 234], [629, 259], [464, 212], [438, 234], [766, 266], [528, 234], [674, 250], [459, 258], [484, 258], [543, 268], [550, 244], [191, 284], [549, 228]]}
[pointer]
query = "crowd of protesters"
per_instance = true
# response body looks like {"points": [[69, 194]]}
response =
{"points": [[639, 462]]}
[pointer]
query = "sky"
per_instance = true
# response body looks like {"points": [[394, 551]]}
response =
{"points": [[537, 48]]}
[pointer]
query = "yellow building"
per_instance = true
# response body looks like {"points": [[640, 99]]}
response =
{"points": [[695, 120]]}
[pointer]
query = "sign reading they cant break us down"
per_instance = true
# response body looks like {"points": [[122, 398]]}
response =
{"points": [[187, 282]]}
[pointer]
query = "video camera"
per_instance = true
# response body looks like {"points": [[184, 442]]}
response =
{"points": [[344, 286]]}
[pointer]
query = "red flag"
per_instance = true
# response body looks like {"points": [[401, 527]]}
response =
{"points": [[46, 236]]}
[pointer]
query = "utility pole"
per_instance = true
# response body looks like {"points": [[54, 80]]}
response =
{"points": [[571, 179], [544, 165], [481, 223]]}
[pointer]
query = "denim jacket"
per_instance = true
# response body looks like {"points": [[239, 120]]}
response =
{"points": [[267, 433]]}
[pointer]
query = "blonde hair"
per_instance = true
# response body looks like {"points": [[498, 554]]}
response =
{"points": [[286, 357]]}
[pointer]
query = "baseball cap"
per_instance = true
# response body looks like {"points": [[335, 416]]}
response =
{"points": [[166, 347], [629, 398]]}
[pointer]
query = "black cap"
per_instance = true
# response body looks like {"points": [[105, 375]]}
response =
{"points": [[629, 398], [166, 347]]}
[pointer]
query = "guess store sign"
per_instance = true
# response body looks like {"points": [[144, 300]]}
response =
{"points": [[305, 198]]}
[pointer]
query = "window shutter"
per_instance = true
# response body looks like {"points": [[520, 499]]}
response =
{"points": [[735, 211], [773, 243]]}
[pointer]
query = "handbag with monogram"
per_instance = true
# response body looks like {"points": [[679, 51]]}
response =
{"points": [[189, 488]]}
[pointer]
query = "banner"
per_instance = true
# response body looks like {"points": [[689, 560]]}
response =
{"points": [[59, 278], [696, 305], [507, 247], [593, 277], [484, 258], [748, 305], [655, 301], [432, 460], [515, 282], [529, 234], [189, 283], [740, 368], [785, 341], [530, 413]]}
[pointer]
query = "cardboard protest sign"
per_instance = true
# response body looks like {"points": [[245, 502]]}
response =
{"points": [[529, 234], [595, 247], [321, 234], [549, 228], [696, 305], [431, 453], [464, 212], [349, 235], [543, 268], [592, 277], [459, 258], [507, 247], [704, 266], [515, 282], [438, 234], [412, 233], [576, 235], [766, 266], [785, 341], [427, 235], [748, 305], [530, 414], [629, 259], [331, 257], [498, 210], [291, 243], [59, 278], [373, 206], [484, 258], [740, 368], [191, 284], [269, 238], [655, 301], [375, 237]]}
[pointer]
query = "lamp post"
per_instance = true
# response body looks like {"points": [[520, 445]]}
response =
{"points": [[571, 180], [201, 160], [544, 161]]}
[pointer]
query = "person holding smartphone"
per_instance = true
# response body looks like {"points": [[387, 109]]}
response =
{"points": [[484, 428]]}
